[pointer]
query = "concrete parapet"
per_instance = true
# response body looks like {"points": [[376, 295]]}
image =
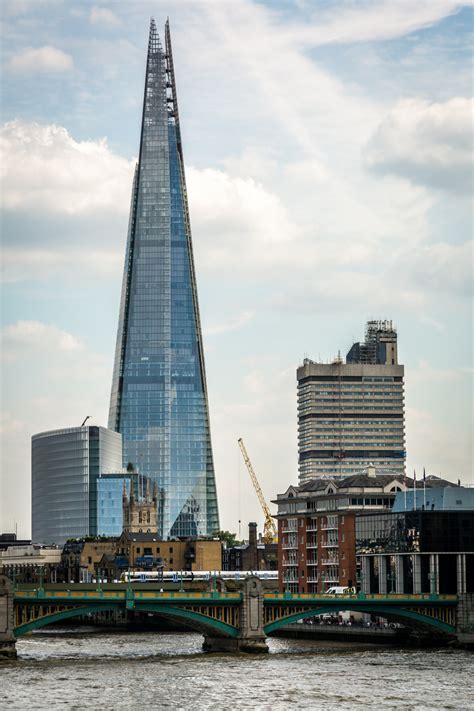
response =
{"points": [[7, 638]]}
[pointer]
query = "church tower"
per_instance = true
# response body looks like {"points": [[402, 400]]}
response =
{"points": [[140, 515]]}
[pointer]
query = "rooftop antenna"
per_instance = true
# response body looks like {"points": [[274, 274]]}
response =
{"points": [[87, 418]]}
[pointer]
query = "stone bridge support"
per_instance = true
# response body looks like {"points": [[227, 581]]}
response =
{"points": [[251, 638], [7, 638], [465, 619]]}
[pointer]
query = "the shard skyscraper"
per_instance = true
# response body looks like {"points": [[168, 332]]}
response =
{"points": [[159, 398]]}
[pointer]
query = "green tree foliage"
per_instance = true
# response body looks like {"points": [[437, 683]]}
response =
{"points": [[228, 538]]}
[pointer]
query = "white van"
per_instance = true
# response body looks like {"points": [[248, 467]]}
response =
{"points": [[338, 591]]}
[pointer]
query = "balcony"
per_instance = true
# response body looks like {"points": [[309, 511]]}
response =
{"points": [[311, 562], [330, 561], [312, 543], [330, 544], [290, 563], [289, 545], [329, 527], [329, 580]]}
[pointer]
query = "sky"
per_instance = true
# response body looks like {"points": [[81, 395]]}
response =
{"points": [[328, 148]]}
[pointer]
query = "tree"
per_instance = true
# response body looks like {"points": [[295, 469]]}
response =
{"points": [[228, 538]]}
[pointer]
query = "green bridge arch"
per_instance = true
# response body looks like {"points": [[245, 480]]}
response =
{"points": [[200, 623], [382, 611], [63, 615]]}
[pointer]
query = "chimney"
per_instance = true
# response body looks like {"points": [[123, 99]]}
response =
{"points": [[371, 470], [252, 534]]}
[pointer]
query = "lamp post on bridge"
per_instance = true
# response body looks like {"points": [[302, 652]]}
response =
{"points": [[39, 571], [361, 585], [432, 577], [391, 578], [14, 577]]}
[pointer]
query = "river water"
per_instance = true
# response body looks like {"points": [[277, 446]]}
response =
{"points": [[79, 668]]}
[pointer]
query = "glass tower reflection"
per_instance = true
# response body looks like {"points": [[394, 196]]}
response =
{"points": [[159, 397]]}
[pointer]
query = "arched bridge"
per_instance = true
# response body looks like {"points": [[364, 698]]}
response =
{"points": [[228, 620]]}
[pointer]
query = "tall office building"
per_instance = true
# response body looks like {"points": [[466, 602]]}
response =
{"points": [[159, 397], [66, 466], [351, 414]]}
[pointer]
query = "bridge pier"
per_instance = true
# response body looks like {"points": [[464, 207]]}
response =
{"points": [[7, 638], [465, 619], [251, 638]]}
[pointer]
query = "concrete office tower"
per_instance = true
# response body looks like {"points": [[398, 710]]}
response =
{"points": [[351, 414], [65, 468], [159, 397]]}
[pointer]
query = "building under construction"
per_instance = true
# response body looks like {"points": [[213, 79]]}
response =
{"points": [[351, 414]]}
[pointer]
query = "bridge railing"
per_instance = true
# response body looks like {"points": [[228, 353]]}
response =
{"points": [[123, 593], [416, 597]]}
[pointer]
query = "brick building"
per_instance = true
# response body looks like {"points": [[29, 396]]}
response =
{"points": [[252, 555], [316, 527], [145, 551]]}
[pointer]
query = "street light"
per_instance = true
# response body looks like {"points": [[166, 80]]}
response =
{"points": [[39, 571], [391, 578]]}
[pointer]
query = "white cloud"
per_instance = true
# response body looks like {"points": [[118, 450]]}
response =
{"points": [[429, 143], [19, 338], [444, 449], [41, 60], [233, 324], [437, 268], [104, 16], [260, 408], [51, 380], [23, 264], [238, 219], [369, 20], [9, 424], [44, 168]]}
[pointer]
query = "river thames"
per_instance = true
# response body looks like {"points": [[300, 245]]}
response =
{"points": [[80, 668]]}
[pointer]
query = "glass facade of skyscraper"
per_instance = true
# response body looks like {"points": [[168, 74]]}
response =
{"points": [[65, 467], [110, 499], [109, 504], [159, 398]]}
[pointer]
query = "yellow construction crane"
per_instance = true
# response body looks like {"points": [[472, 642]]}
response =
{"points": [[269, 528]]}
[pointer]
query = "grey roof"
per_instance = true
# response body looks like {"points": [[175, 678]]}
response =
{"points": [[317, 485], [380, 479], [144, 537], [433, 481]]}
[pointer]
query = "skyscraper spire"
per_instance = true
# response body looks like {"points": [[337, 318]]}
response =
{"points": [[159, 396]]}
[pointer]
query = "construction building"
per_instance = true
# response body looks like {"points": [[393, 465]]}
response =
{"points": [[351, 414]]}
